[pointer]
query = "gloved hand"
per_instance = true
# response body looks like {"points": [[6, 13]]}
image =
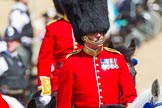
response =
{"points": [[45, 95], [3, 46], [26, 40], [44, 99]]}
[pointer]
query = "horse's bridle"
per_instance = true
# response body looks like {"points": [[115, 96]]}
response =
{"points": [[151, 104], [157, 104]]}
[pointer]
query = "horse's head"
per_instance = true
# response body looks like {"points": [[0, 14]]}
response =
{"points": [[150, 98], [128, 53]]}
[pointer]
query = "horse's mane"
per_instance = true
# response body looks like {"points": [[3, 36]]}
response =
{"points": [[125, 51], [146, 96]]}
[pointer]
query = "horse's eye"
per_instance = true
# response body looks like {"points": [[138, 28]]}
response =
{"points": [[134, 61]]}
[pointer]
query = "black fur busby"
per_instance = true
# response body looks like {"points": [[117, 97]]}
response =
{"points": [[86, 16], [58, 6]]}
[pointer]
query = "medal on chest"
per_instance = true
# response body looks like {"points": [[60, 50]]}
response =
{"points": [[110, 63]]}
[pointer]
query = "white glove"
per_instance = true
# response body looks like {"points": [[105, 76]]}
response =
{"points": [[26, 40], [45, 88], [4, 65], [3, 46], [45, 99]]}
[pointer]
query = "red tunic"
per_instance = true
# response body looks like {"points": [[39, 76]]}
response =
{"points": [[91, 81], [57, 43], [3, 103]]}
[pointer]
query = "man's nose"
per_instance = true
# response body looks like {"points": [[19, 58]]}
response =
{"points": [[98, 34]]}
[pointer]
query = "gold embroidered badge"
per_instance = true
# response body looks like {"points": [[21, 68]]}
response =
{"points": [[46, 85]]}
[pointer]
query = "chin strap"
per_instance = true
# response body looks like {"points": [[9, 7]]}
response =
{"points": [[98, 43]]}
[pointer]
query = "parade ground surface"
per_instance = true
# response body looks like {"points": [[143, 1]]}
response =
{"points": [[149, 55], [149, 68]]}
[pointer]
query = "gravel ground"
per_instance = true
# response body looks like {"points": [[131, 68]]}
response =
{"points": [[149, 66]]}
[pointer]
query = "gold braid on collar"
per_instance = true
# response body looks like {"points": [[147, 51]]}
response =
{"points": [[92, 52]]}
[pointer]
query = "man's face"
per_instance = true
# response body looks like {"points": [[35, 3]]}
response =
{"points": [[95, 37], [13, 45]]}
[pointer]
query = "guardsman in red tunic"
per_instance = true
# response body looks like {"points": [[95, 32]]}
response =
{"points": [[57, 43], [93, 76]]}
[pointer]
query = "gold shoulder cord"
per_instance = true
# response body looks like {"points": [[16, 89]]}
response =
{"points": [[55, 20], [74, 52], [112, 50]]}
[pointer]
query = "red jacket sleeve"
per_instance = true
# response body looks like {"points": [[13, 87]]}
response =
{"points": [[127, 87], [45, 58]]}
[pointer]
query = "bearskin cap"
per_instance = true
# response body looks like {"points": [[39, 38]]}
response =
{"points": [[58, 7], [86, 16]]}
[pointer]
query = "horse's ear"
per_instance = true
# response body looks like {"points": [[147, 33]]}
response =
{"points": [[155, 90], [111, 45], [132, 47], [53, 102], [32, 104]]}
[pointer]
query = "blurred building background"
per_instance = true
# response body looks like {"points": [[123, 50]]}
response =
{"points": [[37, 8]]}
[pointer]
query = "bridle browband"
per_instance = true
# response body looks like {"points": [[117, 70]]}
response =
{"points": [[151, 104], [157, 104]]}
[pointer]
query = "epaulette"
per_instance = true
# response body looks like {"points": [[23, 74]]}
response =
{"points": [[56, 18], [112, 50], [74, 52], [65, 18]]}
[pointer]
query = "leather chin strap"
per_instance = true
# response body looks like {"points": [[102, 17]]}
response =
{"points": [[98, 43]]}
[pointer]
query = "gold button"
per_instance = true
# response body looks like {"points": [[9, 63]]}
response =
{"points": [[97, 64], [99, 84], [96, 58], [101, 97], [101, 103], [75, 47], [100, 90], [75, 43], [98, 77], [98, 71]]}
